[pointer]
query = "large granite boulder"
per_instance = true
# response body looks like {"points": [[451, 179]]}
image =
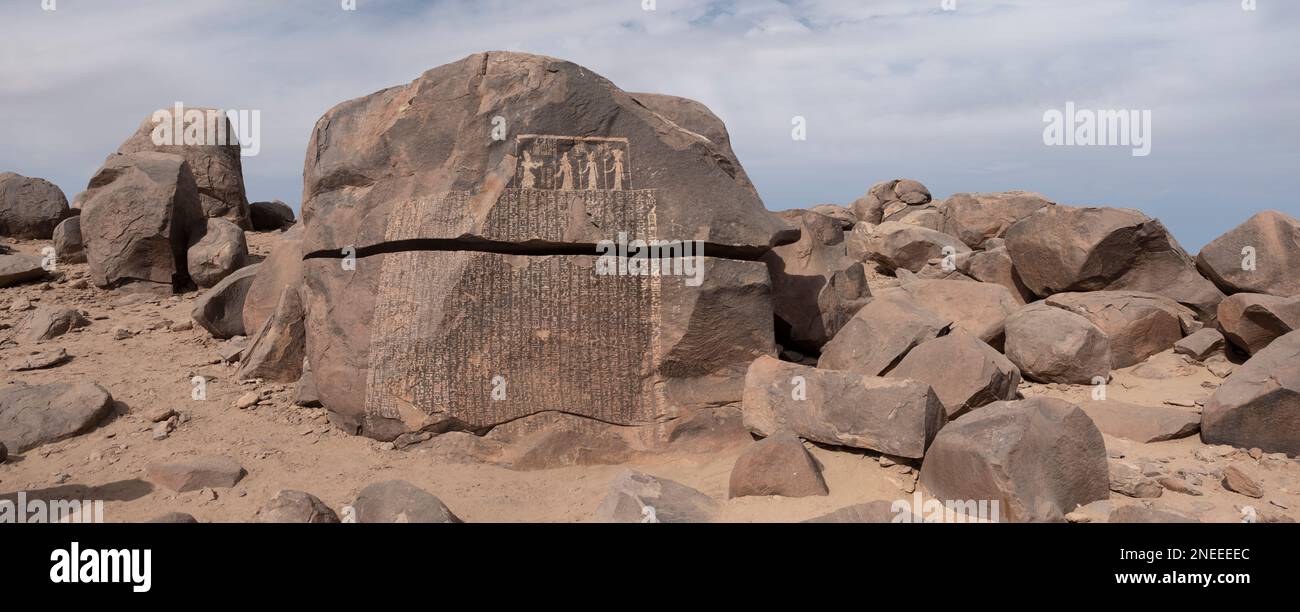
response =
{"points": [[994, 265], [974, 218], [218, 169], [30, 207], [1065, 248], [1250, 321], [1143, 424], [282, 268], [963, 370], [909, 247], [39, 414], [218, 252], [893, 416], [816, 286], [1039, 458], [68, 245], [980, 309], [398, 501], [776, 465], [881, 333], [1261, 255], [1258, 406], [1052, 344], [220, 310], [476, 199], [1137, 324], [140, 213]]}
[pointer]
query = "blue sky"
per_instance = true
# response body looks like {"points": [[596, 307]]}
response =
{"points": [[889, 89]]}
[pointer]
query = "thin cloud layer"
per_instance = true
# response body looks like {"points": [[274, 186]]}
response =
{"points": [[888, 89]]}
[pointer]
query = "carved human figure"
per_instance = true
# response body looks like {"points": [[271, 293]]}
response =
{"points": [[566, 173], [529, 181]]}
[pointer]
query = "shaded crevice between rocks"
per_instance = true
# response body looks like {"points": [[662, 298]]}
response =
{"points": [[535, 248]]}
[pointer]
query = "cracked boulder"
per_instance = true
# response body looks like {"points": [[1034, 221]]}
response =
{"points": [[1065, 248], [1261, 255], [1250, 321], [487, 205], [974, 218], [1137, 324], [881, 334], [1054, 345]]}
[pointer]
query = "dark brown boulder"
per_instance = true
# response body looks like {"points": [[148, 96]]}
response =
{"points": [[282, 268], [1052, 344], [140, 213], [398, 501], [40, 414], [295, 507], [881, 333], [30, 207], [909, 247], [270, 216], [1064, 248], [68, 245], [219, 251], [1137, 324], [1039, 458], [976, 217], [777, 465], [276, 352], [220, 310], [816, 286], [218, 169], [964, 372], [429, 327], [994, 265], [1203, 344], [1250, 321], [18, 268], [980, 309], [1258, 406], [1258, 256], [892, 416]]}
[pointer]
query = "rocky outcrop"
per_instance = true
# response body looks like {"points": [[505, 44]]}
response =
{"points": [[1258, 256]]}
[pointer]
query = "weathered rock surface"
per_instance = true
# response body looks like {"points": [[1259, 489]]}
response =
{"points": [[694, 117], [777, 465], [1258, 406], [1258, 256], [295, 507], [220, 251], [276, 353], [980, 309], [1064, 248], [1250, 321], [974, 218], [39, 414], [1128, 480], [964, 371], [1238, 480], [140, 213], [1039, 458], [49, 322], [282, 268], [304, 393], [1143, 424], [880, 334], [1204, 344], [17, 268], [1137, 324], [220, 310], [995, 266], [816, 286], [402, 343], [218, 169], [195, 473], [398, 501], [68, 245], [909, 247], [269, 216], [843, 216], [892, 416], [30, 207], [1052, 344], [635, 497]]}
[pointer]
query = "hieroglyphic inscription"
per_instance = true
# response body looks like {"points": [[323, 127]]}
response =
{"points": [[450, 325], [571, 163]]}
